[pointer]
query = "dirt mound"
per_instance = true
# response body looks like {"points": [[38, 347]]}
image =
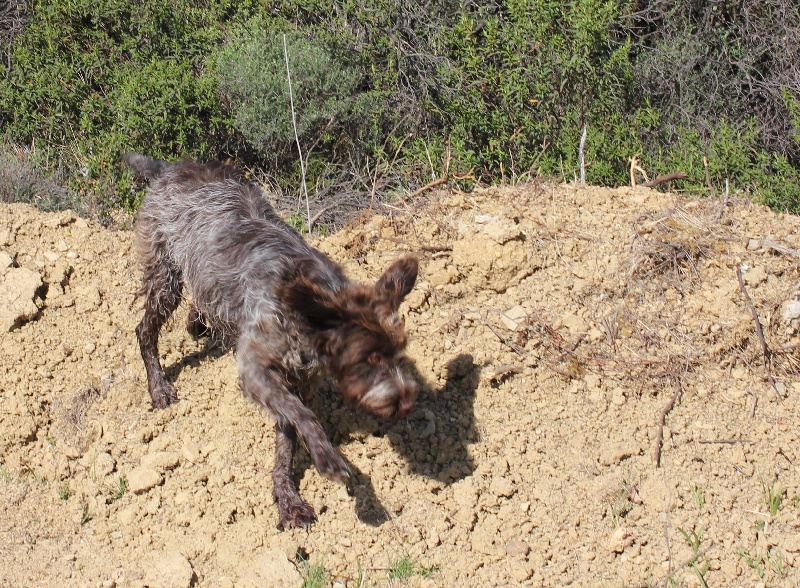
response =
{"points": [[555, 330]]}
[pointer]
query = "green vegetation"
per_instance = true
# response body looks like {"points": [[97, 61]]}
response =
{"points": [[315, 574], [404, 567], [694, 539], [121, 488], [773, 496], [699, 497], [64, 491], [387, 95]]}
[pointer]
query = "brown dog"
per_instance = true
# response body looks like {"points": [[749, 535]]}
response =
{"points": [[290, 310]]}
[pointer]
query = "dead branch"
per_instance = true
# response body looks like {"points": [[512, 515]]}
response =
{"points": [[708, 179], [759, 333], [428, 186], [636, 167], [666, 178], [724, 441], [662, 419]]}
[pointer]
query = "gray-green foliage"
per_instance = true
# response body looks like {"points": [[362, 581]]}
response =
{"points": [[252, 72], [381, 89]]}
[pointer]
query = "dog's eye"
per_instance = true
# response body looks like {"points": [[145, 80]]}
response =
{"points": [[375, 358]]}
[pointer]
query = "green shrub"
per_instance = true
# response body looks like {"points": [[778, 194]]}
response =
{"points": [[383, 88], [90, 79], [252, 74]]}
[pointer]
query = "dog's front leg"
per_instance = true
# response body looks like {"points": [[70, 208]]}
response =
{"points": [[293, 511], [265, 385]]}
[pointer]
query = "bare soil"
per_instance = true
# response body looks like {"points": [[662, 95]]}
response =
{"points": [[553, 328]]}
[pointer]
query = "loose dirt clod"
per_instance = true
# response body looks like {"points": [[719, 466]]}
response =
{"points": [[548, 338]]}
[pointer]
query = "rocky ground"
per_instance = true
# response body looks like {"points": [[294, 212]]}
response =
{"points": [[554, 330]]}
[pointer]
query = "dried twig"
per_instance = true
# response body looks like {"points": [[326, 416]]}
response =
{"points": [[708, 179], [753, 404], [662, 418], [582, 156], [428, 186], [636, 167], [725, 441], [296, 137], [759, 333]]}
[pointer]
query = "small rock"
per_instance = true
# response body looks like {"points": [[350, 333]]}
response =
{"points": [[620, 539], [5, 262], [61, 219], [272, 568], [574, 323], [429, 430], [141, 480], [755, 276], [791, 313], [615, 452], [51, 256], [103, 465], [191, 452], [17, 297], [87, 299], [502, 487], [753, 244], [517, 547], [792, 543], [513, 317], [160, 460], [170, 570], [126, 517]]}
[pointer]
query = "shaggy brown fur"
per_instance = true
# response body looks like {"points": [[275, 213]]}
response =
{"points": [[288, 308]]}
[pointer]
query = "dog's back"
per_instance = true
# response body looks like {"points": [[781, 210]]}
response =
{"points": [[232, 249]]}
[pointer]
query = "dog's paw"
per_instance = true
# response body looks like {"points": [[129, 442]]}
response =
{"points": [[295, 514], [163, 394], [331, 465]]}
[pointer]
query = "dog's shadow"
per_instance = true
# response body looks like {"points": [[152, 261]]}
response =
{"points": [[213, 348], [433, 442], [436, 445]]}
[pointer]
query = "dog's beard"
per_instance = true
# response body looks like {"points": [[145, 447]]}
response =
{"points": [[392, 397]]}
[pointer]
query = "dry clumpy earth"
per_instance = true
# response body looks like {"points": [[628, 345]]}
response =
{"points": [[552, 327]]}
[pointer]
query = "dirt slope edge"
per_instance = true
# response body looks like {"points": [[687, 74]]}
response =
{"points": [[552, 326]]}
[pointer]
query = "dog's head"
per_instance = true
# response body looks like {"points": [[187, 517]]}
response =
{"points": [[361, 338]]}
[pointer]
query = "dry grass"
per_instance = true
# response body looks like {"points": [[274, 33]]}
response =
{"points": [[671, 243], [69, 414]]}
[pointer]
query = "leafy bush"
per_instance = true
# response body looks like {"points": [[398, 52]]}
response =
{"points": [[252, 74], [21, 180], [90, 79], [384, 89]]}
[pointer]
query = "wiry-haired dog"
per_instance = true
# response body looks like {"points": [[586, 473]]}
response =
{"points": [[290, 310]]}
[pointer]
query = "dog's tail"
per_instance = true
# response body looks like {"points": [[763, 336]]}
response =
{"points": [[145, 166]]}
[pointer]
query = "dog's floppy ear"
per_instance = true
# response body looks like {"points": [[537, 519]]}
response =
{"points": [[316, 304], [397, 281]]}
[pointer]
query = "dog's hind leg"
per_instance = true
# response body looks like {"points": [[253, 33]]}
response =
{"points": [[292, 509], [162, 288], [196, 324]]}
